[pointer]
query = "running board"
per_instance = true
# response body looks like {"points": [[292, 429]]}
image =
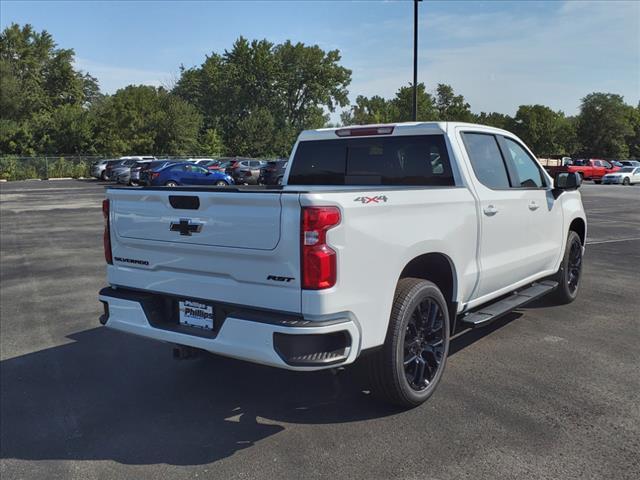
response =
{"points": [[488, 313]]}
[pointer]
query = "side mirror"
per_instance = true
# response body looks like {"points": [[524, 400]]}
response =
{"points": [[566, 181]]}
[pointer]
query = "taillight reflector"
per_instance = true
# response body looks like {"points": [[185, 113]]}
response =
{"points": [[106, 238], [319, 266], [364, 131]]}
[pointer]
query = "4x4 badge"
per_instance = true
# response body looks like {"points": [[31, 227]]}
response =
{"points": [[376, 199]]}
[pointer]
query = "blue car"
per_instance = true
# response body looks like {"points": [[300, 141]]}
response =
{"points": [[187, 173]]}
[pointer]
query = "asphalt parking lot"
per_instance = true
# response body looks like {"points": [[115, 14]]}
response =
{"points": [[546, 392]]}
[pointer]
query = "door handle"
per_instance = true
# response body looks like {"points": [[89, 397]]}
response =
{"points": [[490, 210], [533, 206]]}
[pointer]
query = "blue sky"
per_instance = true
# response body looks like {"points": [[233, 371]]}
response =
{"points": [[498, 54]]}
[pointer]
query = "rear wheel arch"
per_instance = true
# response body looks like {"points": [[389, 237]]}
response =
{"points": [[579, 226], [438, 268]]}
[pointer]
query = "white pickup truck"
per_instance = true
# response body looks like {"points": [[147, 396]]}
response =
{"points": [[383, 241]]}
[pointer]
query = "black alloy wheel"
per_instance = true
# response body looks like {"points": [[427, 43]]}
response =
{"points": [[569, 274], [408, 367], [574, 267], [423, 344]]}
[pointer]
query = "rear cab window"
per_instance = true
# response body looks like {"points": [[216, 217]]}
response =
{"points": [[419, 160]]}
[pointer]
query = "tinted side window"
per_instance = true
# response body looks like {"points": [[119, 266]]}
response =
{"points": [[400, 160], [527, 172], [486, 159]]}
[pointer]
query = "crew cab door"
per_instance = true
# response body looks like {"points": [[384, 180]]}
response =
{"points": [[520, 223], [599, 169]]}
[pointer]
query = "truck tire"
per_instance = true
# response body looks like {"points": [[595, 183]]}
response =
{"points": [[568, 276], [407, 369], [597, 182]]}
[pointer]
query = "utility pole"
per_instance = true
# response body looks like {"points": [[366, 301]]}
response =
{"points": [[415, 59]]}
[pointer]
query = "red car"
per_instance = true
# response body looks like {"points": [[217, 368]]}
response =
{"points": [[590, 169]]}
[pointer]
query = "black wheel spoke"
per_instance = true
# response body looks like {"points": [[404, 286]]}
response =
{"points": [[410, 360], [423, 344], [419, 378]]}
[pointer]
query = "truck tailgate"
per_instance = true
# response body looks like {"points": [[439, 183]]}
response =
{"points": [[228, 246]]}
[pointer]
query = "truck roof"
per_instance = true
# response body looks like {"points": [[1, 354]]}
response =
{"points": [[401, 128]]}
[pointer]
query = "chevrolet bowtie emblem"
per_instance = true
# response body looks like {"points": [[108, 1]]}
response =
{"points": [[185, 227]]}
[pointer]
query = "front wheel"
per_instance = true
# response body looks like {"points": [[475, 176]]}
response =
{"points": [[597, 182], [171, 183], [626, 182], [570, 272], [103, 176], [221, 183], [408, 367]]}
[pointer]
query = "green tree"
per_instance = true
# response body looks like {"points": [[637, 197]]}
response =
{"points": [[494, 119], [211, 143], [143, 119], [633, 140], [402, 105], [546, 132], [605, 126], [40, 87], [451, 107], [369, 110], [288, 86]]}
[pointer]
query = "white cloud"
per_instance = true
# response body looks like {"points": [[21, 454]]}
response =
{"points": [[501, 59], [112, 78]]}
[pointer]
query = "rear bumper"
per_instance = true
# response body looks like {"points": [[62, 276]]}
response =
{"points": [[267, 338]]}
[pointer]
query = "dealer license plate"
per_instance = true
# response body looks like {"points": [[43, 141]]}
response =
{"points": [[196, 314]]}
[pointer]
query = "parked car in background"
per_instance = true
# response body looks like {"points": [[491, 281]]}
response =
{"points": [[591, 169], [123, 176], [245, 170], [134, 175], [211, 164], [624, 176], [630, 163], [186, 173], [148, 168], [98, 169], [202, 161], [273, 173], [113, 170]]}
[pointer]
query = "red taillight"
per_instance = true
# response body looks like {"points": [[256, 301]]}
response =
{"points": [[155, 174], [365, 131], [106, 239], [319, 267]]}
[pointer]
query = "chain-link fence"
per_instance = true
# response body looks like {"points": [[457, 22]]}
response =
{"points": [[14, 167]]}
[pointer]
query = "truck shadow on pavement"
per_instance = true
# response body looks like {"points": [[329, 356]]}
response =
{"points": [[110, 396]]}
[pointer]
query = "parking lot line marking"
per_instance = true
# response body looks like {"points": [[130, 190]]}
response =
{"points": [[613, 241]]}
